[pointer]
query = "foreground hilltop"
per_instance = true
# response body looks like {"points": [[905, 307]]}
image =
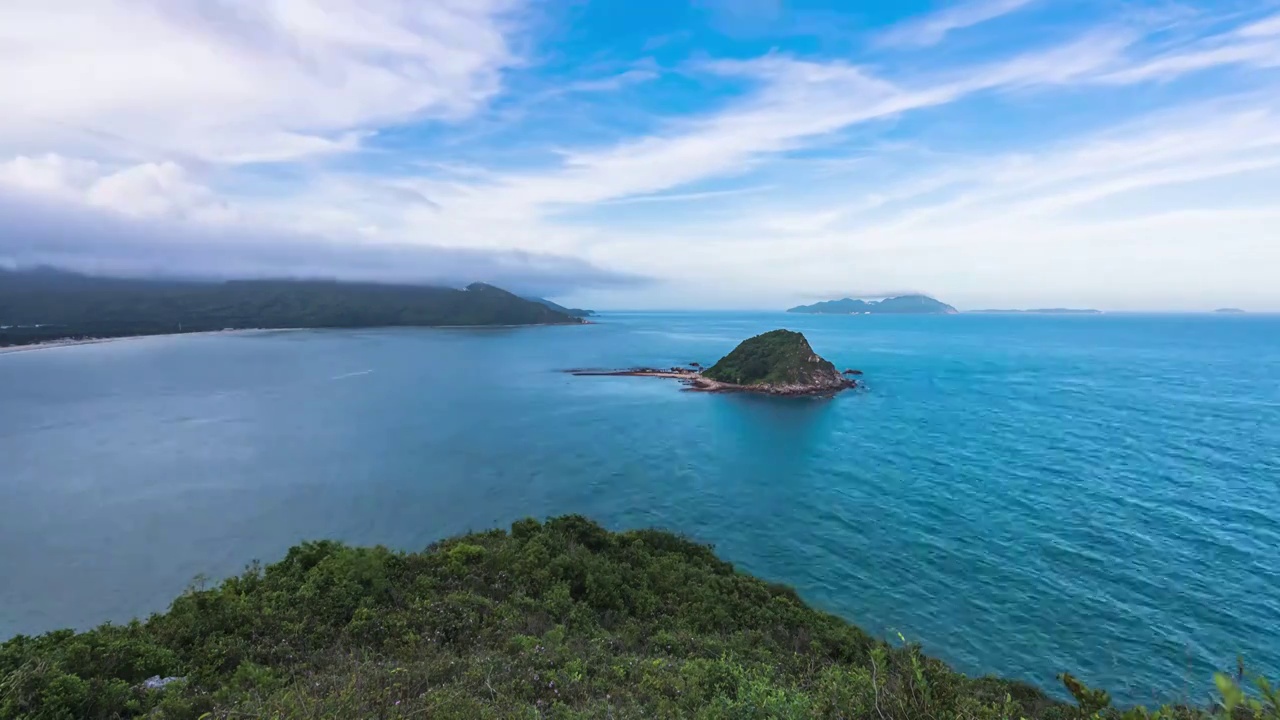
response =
{"points": [[555, 620], [43, 305], [902, 305]]}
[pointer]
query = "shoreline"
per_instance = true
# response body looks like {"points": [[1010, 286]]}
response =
{"points": [[695, 381], [55, 344], [69, 342]]}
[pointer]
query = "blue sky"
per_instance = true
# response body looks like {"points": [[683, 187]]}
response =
{"points": [[674, 153]]}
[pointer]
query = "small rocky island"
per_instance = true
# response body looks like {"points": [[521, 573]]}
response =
{"points": [[780, 362]]}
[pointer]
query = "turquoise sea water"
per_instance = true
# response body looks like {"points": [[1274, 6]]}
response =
{"points": [[1023, 495]]}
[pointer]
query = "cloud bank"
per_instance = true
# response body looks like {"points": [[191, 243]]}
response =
{"points": [[37, 232], [991, 152]]}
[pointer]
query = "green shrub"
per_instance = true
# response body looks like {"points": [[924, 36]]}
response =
{"points": [[561, 619]]}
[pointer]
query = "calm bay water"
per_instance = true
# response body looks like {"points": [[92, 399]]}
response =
{"points": [[1023, 495]]}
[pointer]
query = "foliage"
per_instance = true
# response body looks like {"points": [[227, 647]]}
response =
{"points": [[555, 620], [571, 312], [903, 305], [780, 357], [42, 305]]}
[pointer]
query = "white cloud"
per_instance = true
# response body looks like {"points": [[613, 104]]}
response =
{"points": [[158, 190], [49, 174], [633, 76], [1209, 142], [1262, 28], [238, 81], [797, 103], [1260, 54], [292, 79], [40, 230], [932, 29], [1174, 212]]}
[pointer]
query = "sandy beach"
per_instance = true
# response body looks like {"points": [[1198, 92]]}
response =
{"points": [[54, 344], [8, 349]]}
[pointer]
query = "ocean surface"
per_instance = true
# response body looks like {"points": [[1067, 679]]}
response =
{"points": [[1023, 495]]}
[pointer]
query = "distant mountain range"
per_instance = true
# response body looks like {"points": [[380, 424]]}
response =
{"points": [[1045, 311], [903, 305], [44, 305], [1230, 311]]}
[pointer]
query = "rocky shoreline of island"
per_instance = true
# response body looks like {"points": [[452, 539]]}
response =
{"points": [[779, 363], [695, 381]]}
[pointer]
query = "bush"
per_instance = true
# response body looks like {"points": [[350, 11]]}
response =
{"points": [[555, 620]]}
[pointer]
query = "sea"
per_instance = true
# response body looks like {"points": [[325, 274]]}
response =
{"points": [[1022, 495]]}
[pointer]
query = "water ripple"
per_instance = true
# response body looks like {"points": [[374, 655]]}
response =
{"points": [[1023, 495]]}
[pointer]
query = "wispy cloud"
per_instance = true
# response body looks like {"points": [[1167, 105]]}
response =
{"points": [[1262, 28], [1097, 206], [796, 103], [932, 29], [737, 16], [688, 197], [392, 135], [235, 82], [612, 82]]}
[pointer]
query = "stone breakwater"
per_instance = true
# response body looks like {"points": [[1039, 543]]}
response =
{"points": [[695, 381]]}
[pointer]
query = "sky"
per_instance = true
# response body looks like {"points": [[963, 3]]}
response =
{"points": [[718, 154]]}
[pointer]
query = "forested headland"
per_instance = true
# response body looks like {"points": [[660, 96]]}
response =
{"points": [[46, 305]]}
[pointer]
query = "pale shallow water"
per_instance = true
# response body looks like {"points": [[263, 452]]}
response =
{"points": [[1023, 495]]}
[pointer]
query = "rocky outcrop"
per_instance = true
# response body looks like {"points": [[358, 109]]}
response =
{"points": [[780, 362]]}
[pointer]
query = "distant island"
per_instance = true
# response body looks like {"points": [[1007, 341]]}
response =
{"points": [[902, 305], [1229, 311], [780, 362], [571, 312], [44, 305], [1040, 311]]}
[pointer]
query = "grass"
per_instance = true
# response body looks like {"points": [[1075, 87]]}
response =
{"points": [[561, 619]]}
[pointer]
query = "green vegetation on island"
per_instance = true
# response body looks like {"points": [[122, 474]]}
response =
{"points": [[778, 361], [45, 305], [561, 619], [902, 305], [571, 312]]}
